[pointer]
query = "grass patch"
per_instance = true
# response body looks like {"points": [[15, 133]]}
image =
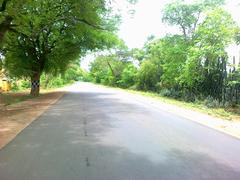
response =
{"points": [[225, 113]]}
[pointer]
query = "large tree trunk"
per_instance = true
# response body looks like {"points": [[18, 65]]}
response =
{"points": [[35, 84]]}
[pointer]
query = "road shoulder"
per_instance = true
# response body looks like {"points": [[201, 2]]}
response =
{"points": [[14, 118], [230, 127]]}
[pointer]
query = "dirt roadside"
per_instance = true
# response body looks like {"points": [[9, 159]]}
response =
{"points": [[14, 118]]}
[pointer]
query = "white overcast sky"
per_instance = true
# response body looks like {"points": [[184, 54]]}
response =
{"points": [[146, 21]]}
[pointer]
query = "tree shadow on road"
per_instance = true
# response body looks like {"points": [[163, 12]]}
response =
{"points": [[90, 136]]}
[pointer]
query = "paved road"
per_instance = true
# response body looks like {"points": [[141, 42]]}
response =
{"points": [[95, 133]]}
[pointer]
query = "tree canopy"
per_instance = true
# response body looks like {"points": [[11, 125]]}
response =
{"points": [[49, 34], [187, 16]]}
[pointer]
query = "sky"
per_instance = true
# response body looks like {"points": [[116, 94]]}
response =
{"points": [[147, 21]]}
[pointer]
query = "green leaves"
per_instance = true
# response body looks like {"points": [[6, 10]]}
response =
{"points": [[52, 33], [113, 70], [206, 61], [187, 15], [148, 76], [189, 66]]}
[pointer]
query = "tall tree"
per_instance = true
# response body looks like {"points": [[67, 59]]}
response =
{"points": [[187, 15], [53, 33], [206, 64]]}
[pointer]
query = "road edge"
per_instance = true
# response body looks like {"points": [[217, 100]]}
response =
{"points": [[219, 124], [31, 120]]}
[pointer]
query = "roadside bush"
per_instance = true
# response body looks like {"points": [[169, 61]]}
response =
{"points": [[165, 93], [25, 84], [170, 93], [210, 102], [86, 76], [148, 76], [14, 86], [128, 76], [73, 73], [189, 97], [55, 82], [17, 85]]}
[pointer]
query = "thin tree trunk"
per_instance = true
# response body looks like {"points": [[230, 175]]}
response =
{"points": [[109, 65], [35, 84]]}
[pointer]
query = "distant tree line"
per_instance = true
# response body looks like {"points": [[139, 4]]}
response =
{"points": [[191, 66]]}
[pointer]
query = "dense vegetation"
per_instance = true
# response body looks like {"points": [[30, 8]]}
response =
{"points": [[192, 66], [48, 81], [42, 41], [42, 37]]}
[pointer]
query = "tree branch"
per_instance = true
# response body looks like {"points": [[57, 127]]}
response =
{"points": [[84, 21]]}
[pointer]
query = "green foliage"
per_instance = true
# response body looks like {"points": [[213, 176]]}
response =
{"points": [[172, 93], [51, 34], [72, 74], [173, 55], [184, 15], [100, 70], [192, 66], [52, 81], [18, 85], [138, 54], [205, 65], [128, 76], [187, 15], [210, 102], [108, 69], [9, 10], [148, 76], [45, 36]]}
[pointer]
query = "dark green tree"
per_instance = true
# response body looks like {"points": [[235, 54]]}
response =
{"points": [[9, 10]]}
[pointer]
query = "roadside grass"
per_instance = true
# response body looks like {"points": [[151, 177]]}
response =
{"points": [[230, 113]]}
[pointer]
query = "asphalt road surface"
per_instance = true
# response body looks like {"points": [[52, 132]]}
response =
{"points": [[95, 133]]}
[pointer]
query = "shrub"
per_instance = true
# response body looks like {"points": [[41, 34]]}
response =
{"points": [[170, 93], [165, 93], [210, 102], [128, 76], [148, 76], [189, 97]]}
